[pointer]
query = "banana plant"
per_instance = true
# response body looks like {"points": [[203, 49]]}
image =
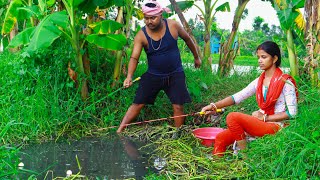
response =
{"points": [[207, 16], [228, 53], [291, 19], [66, 24], [312, 60], [3, 40], [126, 11]]}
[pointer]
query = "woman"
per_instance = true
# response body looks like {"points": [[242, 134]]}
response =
{"points": [[276, 96]]}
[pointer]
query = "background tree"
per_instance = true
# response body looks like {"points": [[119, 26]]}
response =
{"points": [[176, 7], [257, 22], [227, 53], [291, 20], [265, 28], [207, 16], [312, 15], [69, 25], [197, 28]]}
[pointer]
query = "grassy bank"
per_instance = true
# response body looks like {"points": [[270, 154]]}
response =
{"points": [[38, 102]]}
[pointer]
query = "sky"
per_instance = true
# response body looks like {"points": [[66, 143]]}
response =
{"points": [[224, 19]]}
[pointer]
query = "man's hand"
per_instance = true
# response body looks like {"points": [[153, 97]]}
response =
{"points": [[127, 82], [258, 115], [197, 62]]}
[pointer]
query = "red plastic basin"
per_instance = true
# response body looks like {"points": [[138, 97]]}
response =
{"points": [[207, 135]]}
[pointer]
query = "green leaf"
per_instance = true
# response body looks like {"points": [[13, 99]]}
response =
{"points": [[90, 6], [51, 3], [1, 11], [27, 12], [225, 7], [119, 2], [287, 17], [183, 5], [23, 38], [76, 3], [138, 13], [110, 41], [42, 5], [105, 27], [204, 85], [60, 19], [3, 3], [298, 4], [44, 34], [11, 16]]}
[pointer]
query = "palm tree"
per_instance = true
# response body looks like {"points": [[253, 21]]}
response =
{"points": [[312, 32]]}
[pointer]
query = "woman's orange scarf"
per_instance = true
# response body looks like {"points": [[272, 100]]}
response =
{"points": [[277, 82]]}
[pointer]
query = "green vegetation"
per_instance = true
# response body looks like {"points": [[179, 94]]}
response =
{"points": [[39, 103]]}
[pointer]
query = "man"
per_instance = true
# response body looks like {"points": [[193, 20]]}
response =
{"points": [[165, 72]]}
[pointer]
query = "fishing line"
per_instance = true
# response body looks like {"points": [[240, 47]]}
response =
{"points": [[201, 113]]}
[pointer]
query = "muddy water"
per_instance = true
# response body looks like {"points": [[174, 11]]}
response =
{"points": [[103, 158]]}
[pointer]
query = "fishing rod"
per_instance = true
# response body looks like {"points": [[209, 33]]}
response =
{"points": [[201, 113], [135, 80]]}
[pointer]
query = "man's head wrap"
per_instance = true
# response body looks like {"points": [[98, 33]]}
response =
{"points": [[153, 8]]}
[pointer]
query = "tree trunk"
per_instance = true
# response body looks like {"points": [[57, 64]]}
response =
{"points": [[312, 32], [227, 53], [118, 64], [185, 25], [79, 60], [12, 34]]}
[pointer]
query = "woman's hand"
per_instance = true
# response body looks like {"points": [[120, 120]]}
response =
{"points": [[209, 109], [258, 115]]}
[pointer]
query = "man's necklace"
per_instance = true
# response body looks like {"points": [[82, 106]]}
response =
{"points": [[156, 49]]}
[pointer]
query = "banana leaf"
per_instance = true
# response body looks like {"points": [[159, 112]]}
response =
{"points": [[47, 31], [105, 27], [11, 17], [110, 41], [23, 38]]}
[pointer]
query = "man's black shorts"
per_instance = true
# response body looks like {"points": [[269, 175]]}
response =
{"points": [[174, 86]]}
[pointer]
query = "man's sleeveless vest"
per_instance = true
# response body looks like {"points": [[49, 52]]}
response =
{"points": [[163, 55]]}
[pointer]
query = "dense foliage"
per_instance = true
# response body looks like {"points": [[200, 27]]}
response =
{"points": [[39, 103]]}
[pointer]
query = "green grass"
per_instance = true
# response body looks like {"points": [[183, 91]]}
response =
{"points": [[239, 60], [38, 102]]}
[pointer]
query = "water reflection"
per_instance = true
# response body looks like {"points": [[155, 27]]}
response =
{"points": [[105, 158]]}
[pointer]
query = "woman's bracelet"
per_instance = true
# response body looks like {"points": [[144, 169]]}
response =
{"points": [[265, 117], [213, 106]]}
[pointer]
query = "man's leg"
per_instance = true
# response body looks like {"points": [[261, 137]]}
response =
{"points": [[177, 111], [131, 114]]}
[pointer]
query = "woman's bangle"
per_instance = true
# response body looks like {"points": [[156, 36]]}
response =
{"points": [[213, 106], [265, 117]]}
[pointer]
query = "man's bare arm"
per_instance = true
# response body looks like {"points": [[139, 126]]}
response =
{"points": [[191, 45]]}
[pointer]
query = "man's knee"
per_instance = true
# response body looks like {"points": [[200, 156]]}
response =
{"points": [[139, 106], [135, 108], [177, 108]]}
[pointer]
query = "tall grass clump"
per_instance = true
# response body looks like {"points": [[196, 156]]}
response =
{"points": [[8, 154], [294, 152], [32, 93]]}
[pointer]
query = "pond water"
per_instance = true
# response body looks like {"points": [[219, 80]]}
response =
{"points": [[99, 158]]}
